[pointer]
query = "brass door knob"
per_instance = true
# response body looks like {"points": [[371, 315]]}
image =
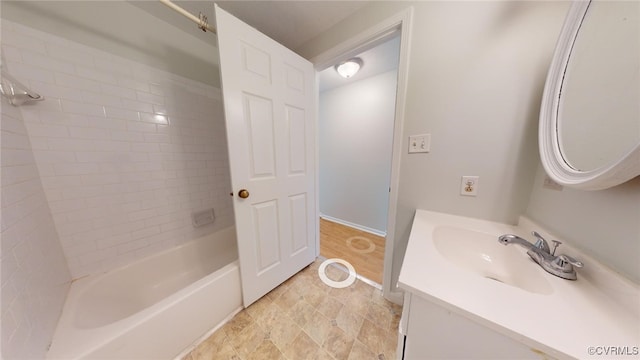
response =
{"points": [[243, 193]]}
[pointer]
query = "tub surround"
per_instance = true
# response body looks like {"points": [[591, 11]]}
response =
{"points": [[35, 277], [125, 152], [600, 308]]}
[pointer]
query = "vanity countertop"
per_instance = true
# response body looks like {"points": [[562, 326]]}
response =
{"points": [[595, 313]]}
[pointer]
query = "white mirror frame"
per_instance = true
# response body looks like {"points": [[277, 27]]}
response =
{"points": [[612, 174]]}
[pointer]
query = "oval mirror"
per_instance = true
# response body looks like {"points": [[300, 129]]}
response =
{"points": [[589, 133]]}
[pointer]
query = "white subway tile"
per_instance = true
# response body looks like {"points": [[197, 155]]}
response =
{"points": [[76, 168], [76, 82], [106, 123], [141, 127], [146, 232], [101, 99], [70, 144], [82, 108], [127, 136], [119, 113], [47, 130], [12, 53], [45, 62], [132, 84], [72, 54], [88, 133], [113, 65], [150, 98], [118, 91], [22, 41], [54, 157], [93, 74], [137, 105], [56, 91]]}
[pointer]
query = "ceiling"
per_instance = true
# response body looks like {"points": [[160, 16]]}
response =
{"points": [[291, 23], [144, 31]]}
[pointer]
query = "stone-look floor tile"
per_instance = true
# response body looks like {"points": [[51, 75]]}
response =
{"points": [[358, 304], [314, 296], [269, 315], [349, 321], [379, 315], [373, 337], [338, 343], [256, 309], [301, 313], [266, 350], [238, 323], [361, 352], [217, 346], [288, 299], [275, 293], [391, 345], [341, 295], [248, 340], [283, 331], [321, 323], [364, 289], [318, 327], [329, 307], [302, 347]]}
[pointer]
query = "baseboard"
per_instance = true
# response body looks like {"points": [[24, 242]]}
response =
{"points": [[355, 226]]}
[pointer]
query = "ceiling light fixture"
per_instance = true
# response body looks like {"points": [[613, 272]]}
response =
{"points": [[348, 68]]}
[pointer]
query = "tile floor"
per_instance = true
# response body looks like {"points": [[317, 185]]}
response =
{"points": [[305, 319]]}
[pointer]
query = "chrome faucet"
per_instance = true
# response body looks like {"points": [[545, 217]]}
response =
{"points": [[561, 265]]}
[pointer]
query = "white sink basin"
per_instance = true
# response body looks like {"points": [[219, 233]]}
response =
{"points": [[483, 255]]}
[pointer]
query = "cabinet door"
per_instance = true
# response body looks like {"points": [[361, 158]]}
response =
{"points": [[436, 333]]}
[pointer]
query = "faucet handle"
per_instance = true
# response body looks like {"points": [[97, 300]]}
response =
{"points": [[571, 260], [556, 243], [541, 243], [565, 263]]}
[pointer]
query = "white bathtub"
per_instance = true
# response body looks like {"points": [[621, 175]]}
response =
{"points": [[155, 307]]}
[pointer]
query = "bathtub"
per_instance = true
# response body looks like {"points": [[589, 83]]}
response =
{"points": [[153, 308]]}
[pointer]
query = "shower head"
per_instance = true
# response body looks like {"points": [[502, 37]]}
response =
{"points": [[15, 91]]}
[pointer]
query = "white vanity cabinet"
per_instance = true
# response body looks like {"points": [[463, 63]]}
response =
{"points": [[433, 332], [469, 296]]}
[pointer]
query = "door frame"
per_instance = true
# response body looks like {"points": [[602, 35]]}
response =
{"points": [[351, 47]]}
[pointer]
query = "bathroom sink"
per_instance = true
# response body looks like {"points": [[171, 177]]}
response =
{"points": [[482, 254]]}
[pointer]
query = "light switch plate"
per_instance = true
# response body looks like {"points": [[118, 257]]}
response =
{"points": [[419, 143]]}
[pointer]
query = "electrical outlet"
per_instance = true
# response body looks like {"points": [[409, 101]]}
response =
{"points": [[419, 143], [469, 186]]}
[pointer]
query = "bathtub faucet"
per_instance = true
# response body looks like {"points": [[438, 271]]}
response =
{"points": [[561, 265]]}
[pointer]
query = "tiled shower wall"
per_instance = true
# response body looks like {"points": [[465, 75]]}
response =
{"points": [[126, 153], [35, 277]]}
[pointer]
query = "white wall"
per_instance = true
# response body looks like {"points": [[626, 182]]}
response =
{"points": [[121, 182], [35, 277], [604, 223], [356, 134], [476, 75], [127, 29]]}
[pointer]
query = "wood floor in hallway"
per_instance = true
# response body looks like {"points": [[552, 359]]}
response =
{"points": [[363, 250]]}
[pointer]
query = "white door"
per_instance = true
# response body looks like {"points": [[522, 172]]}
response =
{"points": [[269, 104]]}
